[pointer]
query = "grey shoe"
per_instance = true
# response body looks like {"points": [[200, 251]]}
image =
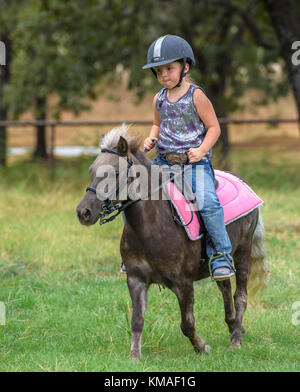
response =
{"points": [[123, 269], [222, 273]]}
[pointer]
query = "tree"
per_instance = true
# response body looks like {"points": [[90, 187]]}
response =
{"points": [[285, 16], [70, 48], [7, 22], [45, 63], [67, 49], [4, 79]]}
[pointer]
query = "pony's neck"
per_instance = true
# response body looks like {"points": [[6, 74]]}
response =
{"points": [[140, 212]]}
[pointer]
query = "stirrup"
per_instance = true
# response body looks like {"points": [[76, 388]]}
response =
{"points": [[225, 273], [230, 266]]}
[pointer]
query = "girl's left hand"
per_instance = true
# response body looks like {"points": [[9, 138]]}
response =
{"points": [[195, 154]]}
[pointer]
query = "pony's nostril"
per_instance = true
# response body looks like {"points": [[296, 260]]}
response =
{"points": [[83, 214], [86, 213]]}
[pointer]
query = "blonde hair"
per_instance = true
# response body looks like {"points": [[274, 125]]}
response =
{"points": [[187, 77]]}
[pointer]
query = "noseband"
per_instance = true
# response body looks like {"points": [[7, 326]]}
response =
{"points": [[108, 205]]}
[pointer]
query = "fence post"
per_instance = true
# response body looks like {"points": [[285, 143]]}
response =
{"points": [[52, 146]]}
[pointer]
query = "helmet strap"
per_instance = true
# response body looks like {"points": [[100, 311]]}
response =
{"points": [[183, 73], [155, 74]]}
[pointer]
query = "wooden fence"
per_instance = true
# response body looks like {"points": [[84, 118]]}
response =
{"points": [[53, 124]]}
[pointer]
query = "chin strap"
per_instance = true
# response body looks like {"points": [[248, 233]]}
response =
{"points": [[182, 75], [154, 73]]}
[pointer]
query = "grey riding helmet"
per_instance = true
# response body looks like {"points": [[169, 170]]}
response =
{"points": [[167, 49]]}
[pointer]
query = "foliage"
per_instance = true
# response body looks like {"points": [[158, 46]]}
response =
{"points": [[61, 49]]}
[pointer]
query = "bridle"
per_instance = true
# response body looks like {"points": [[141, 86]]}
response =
{"points": [[109, 206]]}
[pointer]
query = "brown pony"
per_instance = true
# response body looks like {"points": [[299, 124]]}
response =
{"points": [[155, 249]]}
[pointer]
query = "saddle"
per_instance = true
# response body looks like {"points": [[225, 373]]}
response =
{"points": [[236, 198]]}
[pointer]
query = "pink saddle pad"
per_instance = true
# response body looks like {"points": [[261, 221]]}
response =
{"points": [[236, 198]]}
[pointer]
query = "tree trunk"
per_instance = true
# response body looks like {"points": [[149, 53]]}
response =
{"points": [[283, 15], [217, 92], [223, 145], [4, 78], [41, 145], [3, 116]]}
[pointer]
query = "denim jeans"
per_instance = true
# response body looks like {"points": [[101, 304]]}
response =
{"points": [[210, 208]]}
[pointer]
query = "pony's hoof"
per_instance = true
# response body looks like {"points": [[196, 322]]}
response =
{"points": [[135, 356], [134, 359], [200, 350], [234, 345], [206, 349]]}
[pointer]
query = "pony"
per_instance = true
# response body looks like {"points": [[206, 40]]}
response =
{"points": [[156, 250]]}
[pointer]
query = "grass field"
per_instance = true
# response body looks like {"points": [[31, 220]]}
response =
{"points": [[68, 308]]}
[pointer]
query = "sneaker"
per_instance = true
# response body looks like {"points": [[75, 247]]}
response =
{"points": [[222, 273], [123, 269]]}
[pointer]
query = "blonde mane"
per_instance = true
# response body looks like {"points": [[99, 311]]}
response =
{"points": [[110, 140]]}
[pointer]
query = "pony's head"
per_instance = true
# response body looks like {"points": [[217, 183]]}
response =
{"points": [[108, 174]]}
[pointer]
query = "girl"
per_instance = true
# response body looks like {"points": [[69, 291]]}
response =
{"points": [[187, 128]]}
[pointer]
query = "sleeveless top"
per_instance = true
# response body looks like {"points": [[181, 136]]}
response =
{"points": [[181, 127]]}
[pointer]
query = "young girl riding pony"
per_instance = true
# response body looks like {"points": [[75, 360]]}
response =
{"points": [[186, 126]]}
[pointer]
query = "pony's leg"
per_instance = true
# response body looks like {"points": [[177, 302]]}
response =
{"points": [[185, 295], [138, 292], [242, 262], [225, 288]]}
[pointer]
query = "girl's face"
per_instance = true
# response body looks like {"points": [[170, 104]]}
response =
{"points": [[168, 75]]}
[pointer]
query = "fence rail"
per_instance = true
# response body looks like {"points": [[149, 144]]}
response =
{"points": [[52, 124]]}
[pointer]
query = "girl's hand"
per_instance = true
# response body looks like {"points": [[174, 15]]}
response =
{"points": [[196, 154], [149, 143]]}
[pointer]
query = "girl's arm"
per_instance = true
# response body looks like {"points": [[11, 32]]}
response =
{"points": [[207, 114], [154, 132]]}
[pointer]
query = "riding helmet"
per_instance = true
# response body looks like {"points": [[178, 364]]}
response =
{"points": [[169, 48]]}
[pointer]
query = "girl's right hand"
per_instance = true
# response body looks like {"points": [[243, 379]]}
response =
{"points": [[149, 143]]}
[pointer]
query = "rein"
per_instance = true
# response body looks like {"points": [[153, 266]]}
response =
{"points": [[109, 207]]}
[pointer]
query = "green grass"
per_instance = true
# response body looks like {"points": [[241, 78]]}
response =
{"points": [[68, 308]]}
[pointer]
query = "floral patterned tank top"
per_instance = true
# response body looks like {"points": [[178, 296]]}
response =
{"points": [[181, 127]]}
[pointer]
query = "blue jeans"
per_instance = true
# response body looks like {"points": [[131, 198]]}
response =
{"points": [[210, 208]]}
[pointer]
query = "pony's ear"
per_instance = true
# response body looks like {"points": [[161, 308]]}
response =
{"points": [[122, 146]]}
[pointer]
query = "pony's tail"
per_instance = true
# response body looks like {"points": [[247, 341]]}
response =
{"points": [[258, 266]]}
